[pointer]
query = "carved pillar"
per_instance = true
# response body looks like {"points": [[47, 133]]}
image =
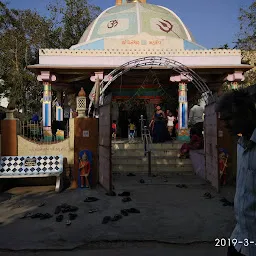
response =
{"points": [[183, 131], [234, 80], [47, 78], [94, 94]]}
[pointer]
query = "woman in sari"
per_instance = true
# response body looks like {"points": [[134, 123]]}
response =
{"points": [[158, 126]]}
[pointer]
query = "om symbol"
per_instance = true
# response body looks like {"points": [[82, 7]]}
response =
{"points": [[165, 26], [112, 23]]}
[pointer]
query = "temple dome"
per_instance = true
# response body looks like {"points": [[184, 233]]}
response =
{"points": [[131, 20]]}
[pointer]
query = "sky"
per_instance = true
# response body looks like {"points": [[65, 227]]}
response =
{"points": [[213, 23]]}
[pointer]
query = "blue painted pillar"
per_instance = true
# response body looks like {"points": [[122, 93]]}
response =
{"points": [[183, 132], [47, 101], [59, 113], [47, 111], [46, 77]]}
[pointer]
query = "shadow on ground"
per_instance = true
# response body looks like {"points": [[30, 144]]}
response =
{"points": [[168, 214]]}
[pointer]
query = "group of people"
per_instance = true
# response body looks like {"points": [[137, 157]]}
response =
{"points": [[196, 125], [131, 129], [163, 125]]}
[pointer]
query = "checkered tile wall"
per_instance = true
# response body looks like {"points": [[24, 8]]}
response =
{"points": [[27, 165]]}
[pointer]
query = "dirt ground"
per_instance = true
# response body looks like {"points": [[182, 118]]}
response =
{"points": [[170, 219]]}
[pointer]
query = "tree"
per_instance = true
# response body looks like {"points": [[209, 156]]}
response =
{"points": [[23, 32], [71, 18], [247, 35], [249, 57], [247, 41], [224, 47]]}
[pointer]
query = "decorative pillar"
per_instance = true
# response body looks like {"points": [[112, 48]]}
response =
{"points": [[9, 140], [97, 79], [47, 78], [183, 131], [234, 80], [81, 103]]}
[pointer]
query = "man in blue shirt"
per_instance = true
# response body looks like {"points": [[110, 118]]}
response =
{"points": [[237, 109]]}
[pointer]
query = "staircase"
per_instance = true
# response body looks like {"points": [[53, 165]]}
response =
{"points": [[129, 157]]}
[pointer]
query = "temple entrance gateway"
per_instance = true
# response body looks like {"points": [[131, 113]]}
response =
{"points": [[179, 74], [182, 76], [146, 37]]}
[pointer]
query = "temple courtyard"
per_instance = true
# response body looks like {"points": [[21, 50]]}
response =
{"points": [[178, 220]]}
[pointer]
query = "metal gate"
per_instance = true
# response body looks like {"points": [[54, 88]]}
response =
{"points": [[211, 145], [105, 151], [105, 165]]}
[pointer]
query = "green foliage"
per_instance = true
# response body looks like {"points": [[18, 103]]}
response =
{"points": [[247, 36], [247, 41], [249, 57], [24, 32], [224, 47], [71, 18]]}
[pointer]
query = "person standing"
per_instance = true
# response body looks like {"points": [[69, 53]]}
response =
{"points": [[158, 126], [237, 110], [196, 120], [132, 128], [170, 123]]}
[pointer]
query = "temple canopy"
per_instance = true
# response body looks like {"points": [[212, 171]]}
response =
{"points": [[136, 20]]}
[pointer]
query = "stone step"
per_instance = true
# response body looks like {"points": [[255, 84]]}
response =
{"points": [[134, 160], [140, 152], [165, 146], [155, 168]]}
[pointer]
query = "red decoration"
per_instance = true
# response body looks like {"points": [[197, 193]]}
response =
{"points": [[165, 26]]}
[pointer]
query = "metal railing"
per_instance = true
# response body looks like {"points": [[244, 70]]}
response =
{"points": [[147, 140], [34, 131]]}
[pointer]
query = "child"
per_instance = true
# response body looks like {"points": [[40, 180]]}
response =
{"points": [[170, 122], [114, 129], [132, 128]]}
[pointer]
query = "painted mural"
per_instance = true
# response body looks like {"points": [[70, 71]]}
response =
{"points": [[126, 21]]}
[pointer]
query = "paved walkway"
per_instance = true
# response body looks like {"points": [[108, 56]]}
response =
{"points": [[168, 214]]}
